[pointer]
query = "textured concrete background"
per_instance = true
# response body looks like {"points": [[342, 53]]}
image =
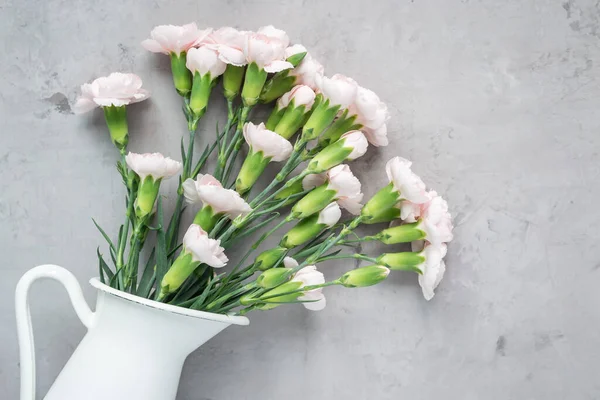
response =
{"points": [[497, 104]]}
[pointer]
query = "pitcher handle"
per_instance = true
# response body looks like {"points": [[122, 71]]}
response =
{"points": [[24, 329]]}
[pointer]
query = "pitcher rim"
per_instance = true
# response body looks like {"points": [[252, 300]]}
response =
{"points": [[229, 319]]}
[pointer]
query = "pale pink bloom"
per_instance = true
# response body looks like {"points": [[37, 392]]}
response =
{"points": [[409, 211], [370, 111], [311, 181], [267, 52], [209, 191], [406, 182], [339, 89], [229, 44], [290, 262], [301, 94], [357, 141], [294, 49], [377, 137], [307, 71], [432, 269], [330, 215], [169, 39], [270, 143], [202, 248], [436, 221], [274, 33], [309, 276], [117, 89], [347, 187], [153, 164], [204, 61]]}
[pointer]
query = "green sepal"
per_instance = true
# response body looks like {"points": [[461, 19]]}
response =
{"points": [[146, 196], [182, 77], [232, 81], [275, 117], [304, 231], [206, 218], [296, 59], [253, 166], [291, 121], [364, 276], [253, 84], [278, 85], [340, 126], [288, 191], [271, 295], [322, 116], [382, 207], [405, 233], [270, 258], [201, 88], [404, 261], [273, 277], [116, 120], [182, 268], [316, 200], [329, 157]]}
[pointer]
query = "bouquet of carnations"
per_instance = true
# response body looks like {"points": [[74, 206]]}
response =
{"points": [[318, 124]]}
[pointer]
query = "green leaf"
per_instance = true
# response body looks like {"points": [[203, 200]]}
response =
{"points": [[103, 268], [173, 229], [113, 256], [182, 151], [162, 263], [110, 243], [200, 300], [256, 227], [172, 252], [334, 253], [148, 277]]}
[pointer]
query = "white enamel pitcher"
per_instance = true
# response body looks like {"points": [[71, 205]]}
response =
{"points": [[134, 348]]}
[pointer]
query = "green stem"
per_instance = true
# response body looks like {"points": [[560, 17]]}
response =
{"points": [[357, 256], [232, 274], [328, 244], [227, 156], [360, 240], [125, 232]]}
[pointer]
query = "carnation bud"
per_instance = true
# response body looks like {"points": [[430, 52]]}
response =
{"points": [[275, 87], [382, 207], [310, 227], [291, 190], [273, 277], [364, 276], [314, 201], [405, 261], [340, 126], [206, 218], [322, 115], [401, 234], [252, 168], [287, 287], [269, 258], [182, 268], [349, 147]]}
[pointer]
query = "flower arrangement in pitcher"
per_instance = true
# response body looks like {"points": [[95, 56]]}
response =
{"points": [[318, 125]]}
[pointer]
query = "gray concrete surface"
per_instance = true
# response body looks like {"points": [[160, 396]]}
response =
{"points": [[495, 101]]}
